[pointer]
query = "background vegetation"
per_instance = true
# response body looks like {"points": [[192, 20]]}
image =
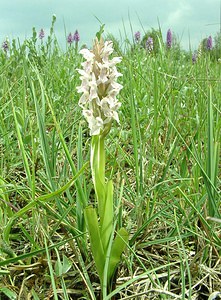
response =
{"points": [[164, 159]]}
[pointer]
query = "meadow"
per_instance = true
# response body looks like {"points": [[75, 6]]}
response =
{"points": [[163, 158]]}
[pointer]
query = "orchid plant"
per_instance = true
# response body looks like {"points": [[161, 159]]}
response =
{"points": [[99, 89]]}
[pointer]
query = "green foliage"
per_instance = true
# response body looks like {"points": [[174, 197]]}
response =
{"points": [[163, 161], [215, 52], [217, 46]]}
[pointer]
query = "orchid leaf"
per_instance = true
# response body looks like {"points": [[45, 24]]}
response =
{"points": [[100, 32], [107, 217], [95, 239], [117, 249]]}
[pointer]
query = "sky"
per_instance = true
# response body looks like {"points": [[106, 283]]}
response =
{"points": [[189, 20]]}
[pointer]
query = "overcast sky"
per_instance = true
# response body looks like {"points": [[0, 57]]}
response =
{"points": [[190, 20]]}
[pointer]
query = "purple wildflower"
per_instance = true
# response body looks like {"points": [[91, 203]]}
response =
{"points": [[76, 37], [209, 44], [194, 57], [5, 46], [169, 38], [137, 36], [70, 39], [149, 44], [41, 34]]}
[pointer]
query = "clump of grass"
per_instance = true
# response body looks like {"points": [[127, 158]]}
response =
{"points": [[166, 158]]}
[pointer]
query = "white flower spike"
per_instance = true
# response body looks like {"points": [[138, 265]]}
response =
{"points": [[99, 87]]}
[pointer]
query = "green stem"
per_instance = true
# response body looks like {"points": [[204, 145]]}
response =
{"points": [[106, 250], [98, 170]]}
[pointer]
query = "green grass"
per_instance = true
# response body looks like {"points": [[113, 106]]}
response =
{"points": [[164, 160]]}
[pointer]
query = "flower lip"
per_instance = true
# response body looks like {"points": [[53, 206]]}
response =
{"points": [[87, 54]]}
